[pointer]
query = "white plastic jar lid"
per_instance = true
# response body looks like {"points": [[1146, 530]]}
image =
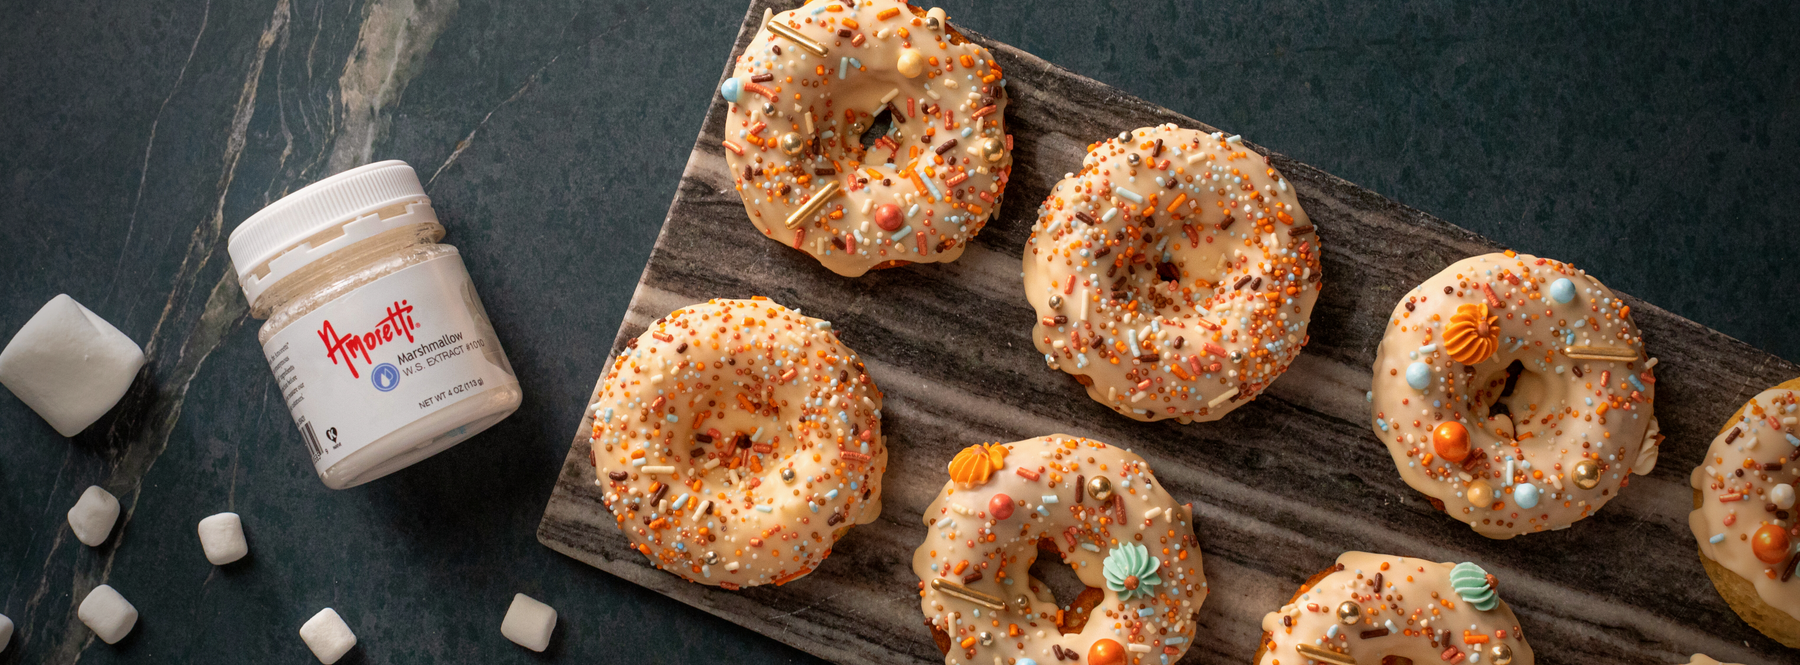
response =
{"points": [[275, 234]]}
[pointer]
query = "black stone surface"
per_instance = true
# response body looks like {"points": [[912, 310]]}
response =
{"points": [[1650, 142]]}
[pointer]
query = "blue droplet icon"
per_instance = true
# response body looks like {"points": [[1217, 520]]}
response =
{"points": [[385, 377]]}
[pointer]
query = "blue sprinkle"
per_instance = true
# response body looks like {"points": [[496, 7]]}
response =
{"points": [[765, 508], [843, 68], [679, 502], [1146, 612], [1050, 498], [672, 418], [831, 494], [1793, 441], [1635, 383], [1126, 193], [1418, 375], [1562, 291], [1526, 495], [1716, 539], [731, 89]]}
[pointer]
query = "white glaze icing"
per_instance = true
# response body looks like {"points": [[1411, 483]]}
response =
{"points": [[1567, 409], [1224, 224], [1416, 613], [699, 423], [1044, 479], [943, 167], [1733, 506]]}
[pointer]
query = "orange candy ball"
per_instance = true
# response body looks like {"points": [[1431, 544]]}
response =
{"points": [[1106, 652], [1451, 441], [1770, 543]]}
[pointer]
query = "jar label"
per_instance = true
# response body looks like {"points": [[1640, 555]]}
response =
{"points": [[385, 355]]}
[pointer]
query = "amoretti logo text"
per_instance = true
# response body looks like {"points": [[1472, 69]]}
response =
{"points": [[348, 349]]}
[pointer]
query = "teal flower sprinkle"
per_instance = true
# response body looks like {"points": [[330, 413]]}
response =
{"points": [[1131, 571], [1470, 582]]}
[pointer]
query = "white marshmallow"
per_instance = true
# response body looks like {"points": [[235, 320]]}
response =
{"points": [[528, 623], [93, 516], [108, 614], [5, 632], [69, 365], [222, 536], [328, 636]]}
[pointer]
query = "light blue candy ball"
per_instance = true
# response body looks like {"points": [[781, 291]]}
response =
{"points": [[1562, 291], [734, 87], [1027, 661], [1526, 495], [1418, 375]]}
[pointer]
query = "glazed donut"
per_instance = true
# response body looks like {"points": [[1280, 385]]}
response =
{"points": [[1372, 607], [1096, 506], [804, 93], [1513, 392], [737, 441], [1174, 275], [1744, 511]]}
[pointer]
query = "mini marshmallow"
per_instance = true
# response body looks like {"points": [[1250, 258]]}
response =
{"points": [[528, 623], [5, 632], [328, 636], [108, 614], [69, 365], [222, 536], [93, 516]]}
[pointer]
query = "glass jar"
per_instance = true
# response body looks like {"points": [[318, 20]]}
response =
{"points": [[377, 340]]}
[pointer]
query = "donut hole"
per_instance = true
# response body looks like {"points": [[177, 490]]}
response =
{"points": [[1066, 589], [879, 126], [1509, 395]]}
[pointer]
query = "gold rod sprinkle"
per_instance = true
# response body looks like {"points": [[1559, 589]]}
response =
{"points": [[812, 205], [798, 39], [971, 595], [1316, 653], [1599, 353]]}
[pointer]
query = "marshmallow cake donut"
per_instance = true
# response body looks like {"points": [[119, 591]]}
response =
{"points": [[1099, 509], [1376, 609], [1173, 275], [1744, 512], [736, 441], [1514, 392], [807, 97]]}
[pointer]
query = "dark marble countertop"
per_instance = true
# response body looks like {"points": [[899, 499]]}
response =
{"points": [[1650, 143]]}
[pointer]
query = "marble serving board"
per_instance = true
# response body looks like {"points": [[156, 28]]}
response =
{"points": [[1279, 487]]}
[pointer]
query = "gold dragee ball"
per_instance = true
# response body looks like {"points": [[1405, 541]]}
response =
{"points": [[1100, 488], [1587, 474], [1502, 655], [1348, 613], [911, 63], [1480, 494], [993, 149], [792, 143]]}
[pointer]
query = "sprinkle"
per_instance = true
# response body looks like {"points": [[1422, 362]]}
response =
{"points": [[1221, 398], [1716, 539], [804, 42], [813, 204], [1126, 193], [950, 588], [1600, 353], [1051, 498], [658, 469]]}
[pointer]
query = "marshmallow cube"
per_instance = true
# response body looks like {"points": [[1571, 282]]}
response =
{"points": [[222, 536], [528, 623], [328, 636], [93, 516], [69, 365], [5, 632], [108, 614]]}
